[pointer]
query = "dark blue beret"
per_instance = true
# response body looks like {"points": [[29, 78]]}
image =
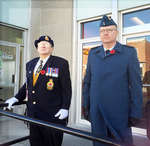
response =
{"points": [[107, 21], [44, 38]]}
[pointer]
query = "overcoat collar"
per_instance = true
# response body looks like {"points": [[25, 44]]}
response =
{"points": [[100, 50]]}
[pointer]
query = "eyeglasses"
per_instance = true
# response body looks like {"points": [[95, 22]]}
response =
{"points": [[107, 30]]}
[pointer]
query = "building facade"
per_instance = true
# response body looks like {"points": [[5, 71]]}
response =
{"points": [[74, 27]]}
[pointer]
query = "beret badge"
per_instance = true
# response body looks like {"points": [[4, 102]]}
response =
{"points": [[46, 38], [109, 18]]}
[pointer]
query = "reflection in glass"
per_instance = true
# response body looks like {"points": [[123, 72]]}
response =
{"points": [[142, 44], [90, 29], [11, 34], [86, 47], [136, 18]]}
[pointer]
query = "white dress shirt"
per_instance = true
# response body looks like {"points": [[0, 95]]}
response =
{"points": [[38, 63]]}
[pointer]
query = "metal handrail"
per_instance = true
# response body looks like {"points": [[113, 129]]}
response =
{"points": [[15, 141], [146, 85], [68, 130]]}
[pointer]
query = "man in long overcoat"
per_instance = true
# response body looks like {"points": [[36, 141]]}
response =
{"points": [[48, 89], [112, 89]]}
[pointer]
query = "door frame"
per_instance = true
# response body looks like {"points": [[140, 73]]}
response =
{"points": [[133, 35], [17, 64]]}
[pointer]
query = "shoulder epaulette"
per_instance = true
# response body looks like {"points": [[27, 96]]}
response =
{"points": [[94, 48], [128, 46]]}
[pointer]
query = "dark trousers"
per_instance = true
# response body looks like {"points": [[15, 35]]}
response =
{"points": [[43, 136]]}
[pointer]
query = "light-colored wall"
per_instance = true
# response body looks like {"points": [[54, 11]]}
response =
{"points": [[53, 18], [126, 4], [15, 12], [93, 8], [34, 30]]}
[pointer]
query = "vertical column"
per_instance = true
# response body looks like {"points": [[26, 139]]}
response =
{"points": [[115, 10]]}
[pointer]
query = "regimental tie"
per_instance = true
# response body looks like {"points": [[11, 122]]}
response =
{"points": [[36, 75], [39, 68]]}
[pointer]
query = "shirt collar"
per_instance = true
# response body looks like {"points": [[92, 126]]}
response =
{"points": [[44, 60], [109, 49]]}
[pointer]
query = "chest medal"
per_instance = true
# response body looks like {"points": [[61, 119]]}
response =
{"points": [[50, 84], [52, 72]]}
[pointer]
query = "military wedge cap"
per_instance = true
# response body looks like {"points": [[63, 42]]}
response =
{"points": [[107, 21], [44, 38]]}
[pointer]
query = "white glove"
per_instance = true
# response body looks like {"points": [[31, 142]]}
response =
{"points": [[62, 114], [10, 102]]}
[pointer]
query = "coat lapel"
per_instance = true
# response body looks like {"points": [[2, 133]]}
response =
{"points": [[118, 47], [31, 69], [100, 52]]}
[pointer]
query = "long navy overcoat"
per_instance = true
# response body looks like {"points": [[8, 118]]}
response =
{"points": [[112, 91]]}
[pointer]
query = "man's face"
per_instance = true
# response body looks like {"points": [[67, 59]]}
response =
{"points": [[108, 34], [44, 48]]}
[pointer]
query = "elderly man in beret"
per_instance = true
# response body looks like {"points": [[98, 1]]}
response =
{"points": [[112, 89], [48, 89]]}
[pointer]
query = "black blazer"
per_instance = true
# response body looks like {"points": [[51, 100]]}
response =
{"points": [[45, 100]]}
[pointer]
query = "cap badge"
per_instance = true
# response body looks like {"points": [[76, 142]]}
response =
{"points": [[46, 38], [109, 18]]}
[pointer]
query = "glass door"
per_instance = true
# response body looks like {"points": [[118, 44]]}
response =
{"points": [[9, 69]]}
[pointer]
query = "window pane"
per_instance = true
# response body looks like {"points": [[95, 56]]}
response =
{"points": [[7, 71], [137, 18], [142, 44], [90, 29], [11, 34]]}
